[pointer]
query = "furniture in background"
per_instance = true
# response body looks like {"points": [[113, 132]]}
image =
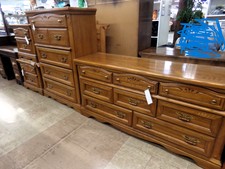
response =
{"points": [[28, 58], [187, 115], [173, 54], [101, 36], [60, 35]]}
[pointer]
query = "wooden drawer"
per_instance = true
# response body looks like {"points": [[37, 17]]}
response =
{"points": [[57, 37], [21, 32], [58, 74], [95, 73], [31, 57], [96, 90], [135, 81], [192, 94], [55, 56], [31, 78], [134, 101], [48, 20], [59, 89], [185, 139], [200, 121], [27, 66], [24, 47], [14, 64], [108, 110]]}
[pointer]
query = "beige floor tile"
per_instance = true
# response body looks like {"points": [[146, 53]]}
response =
{"points": [[159, 163], [67, 155], [129, 157], [39, 164]]}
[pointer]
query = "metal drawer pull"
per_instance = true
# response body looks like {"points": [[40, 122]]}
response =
{"points": [[120, 114], [184, 117], [32, 80], [63, 60], [50, 86], [95, 90], [83, 71], [93, 105], [69, 93], [58, 37], [43, 55], [213, 101], [65, 77], [146, 124], [191, 140], [106, 77], [133, 102], [59, 20], [24, 46], [117, 79], [40, 36], [166, 91], [47, 72]]}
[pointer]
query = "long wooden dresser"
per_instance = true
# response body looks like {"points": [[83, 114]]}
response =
{"points": [[60, 35], [187, 115], [27, 58]]}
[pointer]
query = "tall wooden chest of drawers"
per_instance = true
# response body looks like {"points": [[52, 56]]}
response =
{"points": [[187, 115], [60, 35], [28, 58]]}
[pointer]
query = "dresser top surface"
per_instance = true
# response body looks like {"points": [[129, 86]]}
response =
{"points": [[210, 76]]}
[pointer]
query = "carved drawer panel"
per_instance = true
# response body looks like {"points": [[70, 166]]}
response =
{"points": [[55, 56], [57, 37], [185, 139], [48, 20], [135, 82], [61, 75], [96, 90], [192, 94], [95, 73], [108, 110], [197, 120], [21, 32], [134, 101], [31, 78], [27, 56], [59, 89], [27, 66], [24, 47]]}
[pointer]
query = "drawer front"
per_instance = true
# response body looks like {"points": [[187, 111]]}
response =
{"points": [[28, 68], [14, 64], [184, 138], [54, 56], [48, 20], [58, 37], [41, 36], [27, 56], [59, 89], [24, 47], [196, 95], [134, 101], [31, 78], [21, 32], [108, 110], [135, 82], [190, 118], [58, 74], [95, 73], [96, 90]]}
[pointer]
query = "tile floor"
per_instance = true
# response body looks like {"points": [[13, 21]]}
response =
{"points": [[37, 132]]}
